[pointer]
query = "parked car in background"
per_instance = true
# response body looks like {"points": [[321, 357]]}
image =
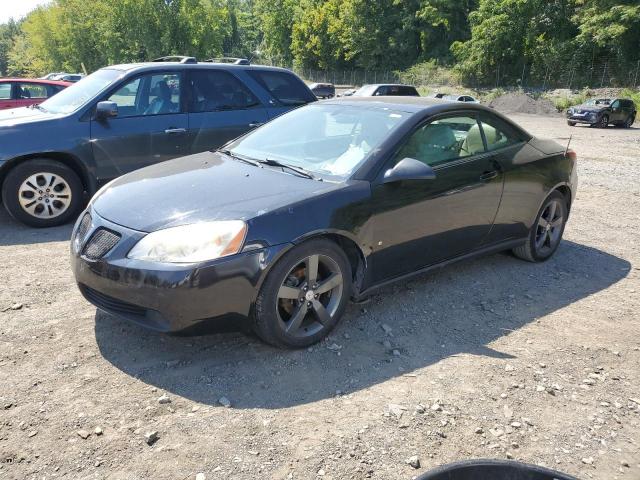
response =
{"points": [[52, 76], [600, 112], [327, 202], [460, 98], [323, 90], [23, 92], [70, 77], [348, 93], [126, 117], [386, 90]]}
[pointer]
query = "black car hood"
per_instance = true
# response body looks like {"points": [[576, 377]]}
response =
{"points": [[590, 108], [202, 187]]}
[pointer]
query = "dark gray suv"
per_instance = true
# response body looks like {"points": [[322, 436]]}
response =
{"points": [[124, 117]]}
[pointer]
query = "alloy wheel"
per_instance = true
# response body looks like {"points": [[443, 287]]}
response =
{"points": [[549, 228], [44, 195], [604, 121], [309, 296]]}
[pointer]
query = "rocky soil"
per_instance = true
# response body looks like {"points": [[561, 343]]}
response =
{"points": [[495, 358]]}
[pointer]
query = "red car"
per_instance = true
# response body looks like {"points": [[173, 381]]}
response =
{"points": [[22, 92]]}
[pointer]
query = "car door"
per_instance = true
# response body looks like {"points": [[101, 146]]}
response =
{"points": [[6, 96], [221, 108], [284, 91], [423, 222], [151, 125], [617, 112]]}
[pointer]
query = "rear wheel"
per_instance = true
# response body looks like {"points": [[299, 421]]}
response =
{"points": [[546, 234], [629, 121], [304, 296], [42, 193]]}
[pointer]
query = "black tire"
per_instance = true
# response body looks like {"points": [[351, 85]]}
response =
{"points": [[290, 274], [629, 121], [571, 124], [535, 250], [603, 122], [63, 200]]}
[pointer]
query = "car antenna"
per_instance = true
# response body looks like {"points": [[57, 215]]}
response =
{"points": [[566, 150]]}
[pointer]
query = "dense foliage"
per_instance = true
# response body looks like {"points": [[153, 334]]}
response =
{"points": [[483, 39]]}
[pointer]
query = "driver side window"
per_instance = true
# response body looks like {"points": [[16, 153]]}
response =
{"points": [[443, 141], [157, 94]]}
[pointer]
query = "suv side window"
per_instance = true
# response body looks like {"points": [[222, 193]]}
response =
{"points": [[215, 90], [153, 94], [286, 88], [615, 104], [443, 141], [498, 133]]}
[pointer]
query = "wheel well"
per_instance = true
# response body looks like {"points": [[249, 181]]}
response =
{"points": [[354, 254], [566, 193], [69, 160]]}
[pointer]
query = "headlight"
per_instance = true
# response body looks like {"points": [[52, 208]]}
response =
{"points": [[570, 111], [198, 242]]}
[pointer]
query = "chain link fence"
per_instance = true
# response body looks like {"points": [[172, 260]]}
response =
{"points": [[573, 75]]}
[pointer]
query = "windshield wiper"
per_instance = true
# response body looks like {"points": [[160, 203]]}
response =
{"points": [[299, 170], [250, 161]]}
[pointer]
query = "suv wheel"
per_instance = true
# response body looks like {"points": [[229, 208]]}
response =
{"points": [[629, 121], [604, 122], [571, 124], [42, 193]]}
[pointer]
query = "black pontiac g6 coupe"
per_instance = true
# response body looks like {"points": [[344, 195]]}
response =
{"points": [[331, 201]]}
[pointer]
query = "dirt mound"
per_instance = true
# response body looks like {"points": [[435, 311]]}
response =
{"points": [[523, 103]]}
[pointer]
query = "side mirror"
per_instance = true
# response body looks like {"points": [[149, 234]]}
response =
{"points": [[409, 169], [106, 110]]}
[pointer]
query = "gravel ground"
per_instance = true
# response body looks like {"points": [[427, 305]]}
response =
{"points": [[493, 358]]}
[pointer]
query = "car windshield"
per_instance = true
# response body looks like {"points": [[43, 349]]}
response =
{"points": [[78, 94], [598, 101], [331, 140]]}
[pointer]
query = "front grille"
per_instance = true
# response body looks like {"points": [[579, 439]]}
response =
{"points": [[100, 243], [83, 228], [111, 304]]}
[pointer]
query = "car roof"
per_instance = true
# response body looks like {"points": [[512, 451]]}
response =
{"points": [[153, 66], [37, 80]]}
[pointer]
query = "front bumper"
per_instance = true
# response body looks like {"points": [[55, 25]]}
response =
{"points": [[166, 297], [578, 118]]}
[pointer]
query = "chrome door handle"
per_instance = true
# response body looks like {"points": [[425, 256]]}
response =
{"points": [[171, 131], [256, 124]]}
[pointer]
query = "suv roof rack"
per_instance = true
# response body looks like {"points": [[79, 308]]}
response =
{"points": [[176, 58], [233, 60]]}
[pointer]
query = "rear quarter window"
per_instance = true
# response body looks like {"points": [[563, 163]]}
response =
{"points": [[284, 87]]}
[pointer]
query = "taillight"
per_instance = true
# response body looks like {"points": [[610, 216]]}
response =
{"points": [[571, 155]]}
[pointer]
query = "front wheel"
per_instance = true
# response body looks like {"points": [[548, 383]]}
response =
{"points": [[546, 233], [571, 124], [304, 295], [42, 193], [604, 122]]}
